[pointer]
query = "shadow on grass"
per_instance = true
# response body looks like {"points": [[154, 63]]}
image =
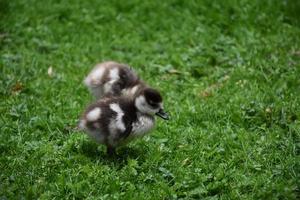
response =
{"points": [[97, 153]]}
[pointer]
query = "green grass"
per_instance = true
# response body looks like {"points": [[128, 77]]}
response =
{"points": [[229, 72]]}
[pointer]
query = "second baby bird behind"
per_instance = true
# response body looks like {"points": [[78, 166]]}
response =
{"points": [[112, 79]]}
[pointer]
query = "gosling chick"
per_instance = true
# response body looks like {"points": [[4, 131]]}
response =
{"points": [[112, 79], [116, 121]]}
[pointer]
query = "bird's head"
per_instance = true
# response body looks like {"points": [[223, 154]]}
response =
{"points": [[149, 101]]}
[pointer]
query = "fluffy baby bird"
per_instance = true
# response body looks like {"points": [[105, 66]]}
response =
{"points": [[112, 79], [118, 120]]}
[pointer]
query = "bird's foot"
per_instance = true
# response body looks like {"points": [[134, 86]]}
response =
{"points": [[111, 151]]}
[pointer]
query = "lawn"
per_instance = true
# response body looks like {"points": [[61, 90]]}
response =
{"points": [[229, 72]]}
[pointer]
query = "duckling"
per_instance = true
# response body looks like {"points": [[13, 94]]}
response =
{"points": [[112, 79], [115, 121]]}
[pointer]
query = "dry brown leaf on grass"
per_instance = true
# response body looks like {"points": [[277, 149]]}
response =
{"points": [[205, 94], [17, 87], [210, 89], [208, 92]]}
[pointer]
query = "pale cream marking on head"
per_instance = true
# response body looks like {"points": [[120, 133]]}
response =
{"points": [[143, 106]]}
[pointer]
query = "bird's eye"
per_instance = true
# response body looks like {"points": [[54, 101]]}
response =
{"points": [[152, 103]]}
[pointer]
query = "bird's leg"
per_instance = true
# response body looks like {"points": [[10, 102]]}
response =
{"points": [[111, 151], [128, 130]]}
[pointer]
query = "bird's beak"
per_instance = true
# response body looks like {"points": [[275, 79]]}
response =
{"points": [[161, 113]]}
